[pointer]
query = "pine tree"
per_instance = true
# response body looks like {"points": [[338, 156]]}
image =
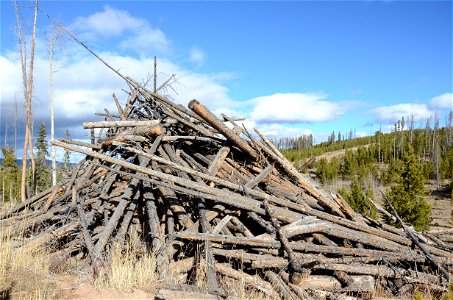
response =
{"points": [[358, 200], [407, 196], [10, 175], [43, 174], [67, 155]]}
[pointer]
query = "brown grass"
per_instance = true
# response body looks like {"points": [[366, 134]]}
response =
{"points": [[24, 274], [131, 268]]}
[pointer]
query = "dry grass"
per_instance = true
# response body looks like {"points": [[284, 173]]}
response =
{"points": [[24, 274], [131, 268]]}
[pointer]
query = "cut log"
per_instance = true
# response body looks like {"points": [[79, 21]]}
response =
{"points": [[115, 124]]}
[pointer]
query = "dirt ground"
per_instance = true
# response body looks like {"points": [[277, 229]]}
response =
{"points": [[441, 204]]}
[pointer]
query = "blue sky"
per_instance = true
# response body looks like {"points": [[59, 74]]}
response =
{"points": [[289, 68]]}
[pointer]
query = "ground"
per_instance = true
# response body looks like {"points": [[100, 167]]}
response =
{"points": [[441, 203]]}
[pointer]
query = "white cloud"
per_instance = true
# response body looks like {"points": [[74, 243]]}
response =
{"points": [[444, 101], [280, 130], [197, 55], [294, 108], [111, 22], [145, 40], [390, 114], [9, 76]]}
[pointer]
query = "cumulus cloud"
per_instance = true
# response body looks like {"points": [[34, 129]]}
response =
{"points": [[294, 108], [392, 113], [107, 23], [111, 22], [444, 101]]}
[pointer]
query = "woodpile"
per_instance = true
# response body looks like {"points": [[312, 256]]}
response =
{"points": [[208, 197]]}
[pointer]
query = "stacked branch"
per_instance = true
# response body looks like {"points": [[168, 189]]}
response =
{"points": [[208, 197]]}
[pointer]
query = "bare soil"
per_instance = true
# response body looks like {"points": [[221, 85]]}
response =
{"points": [[441, 204]]}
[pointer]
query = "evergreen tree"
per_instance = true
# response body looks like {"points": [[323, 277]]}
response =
{"points": [[9, 172], [67, 155], [43, 175], [358, 200], [407, 196]]}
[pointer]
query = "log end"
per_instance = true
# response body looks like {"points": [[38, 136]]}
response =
{"points": [[296, 278], [193, 103], [156, 130]]}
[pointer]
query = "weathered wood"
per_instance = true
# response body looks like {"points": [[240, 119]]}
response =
{"points": [[210, 118], [191, 138], [78, 143], [201, 129], [221, 224], [118, 106], [255, 181], [210, 261], [346, 208], [301, 293], [115, 124], [281, 235], [130, 101], [253, 281], [376, 270], [344, 278], [283, 289], [218, 160], [134, 133], [227, 239], [127, 218], [263, 223], [269, 144], [114, 219], [86, 235], [239, 226], [310, 225]]}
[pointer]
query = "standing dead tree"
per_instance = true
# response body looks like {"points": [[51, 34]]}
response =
{"points": [[27, 81], [54, 37]]}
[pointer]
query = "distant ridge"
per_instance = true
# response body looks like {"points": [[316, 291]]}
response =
{"points": [[48, 162]]}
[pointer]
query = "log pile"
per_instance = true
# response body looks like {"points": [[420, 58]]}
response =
{"points": [[207, 196]]}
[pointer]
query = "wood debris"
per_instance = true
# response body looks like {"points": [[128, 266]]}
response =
{"points": [[209, 197]]}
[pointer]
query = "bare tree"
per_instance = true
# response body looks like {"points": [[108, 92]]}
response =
{"points": [[52, 112], [436, 153], [15, 124], [411, 128], [27, 80], [6, 129], [449, 128]]}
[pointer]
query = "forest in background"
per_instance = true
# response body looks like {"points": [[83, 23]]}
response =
{"points": [[403, 161]]}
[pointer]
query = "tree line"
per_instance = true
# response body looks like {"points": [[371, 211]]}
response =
{"points": [[40, 180], [403, 160]]}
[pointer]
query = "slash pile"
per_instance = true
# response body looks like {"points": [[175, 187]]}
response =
{"points": [[209, 197]]}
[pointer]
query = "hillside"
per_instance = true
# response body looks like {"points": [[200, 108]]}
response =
{"points": [[375, 162]]}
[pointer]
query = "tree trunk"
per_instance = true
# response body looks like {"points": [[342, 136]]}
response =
{"points": [[52, 112], [28, 90]]}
